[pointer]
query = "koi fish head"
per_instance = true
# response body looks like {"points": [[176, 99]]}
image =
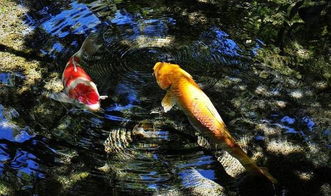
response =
{"points": [[86, 93], [166, 74]]}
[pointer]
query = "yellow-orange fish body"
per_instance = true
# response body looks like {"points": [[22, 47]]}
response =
{"points": [[183, 91]]}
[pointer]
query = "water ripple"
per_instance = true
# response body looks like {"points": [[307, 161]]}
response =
{"points": [[77, 20]]}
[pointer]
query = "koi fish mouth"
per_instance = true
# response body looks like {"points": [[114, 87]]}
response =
{"points": [[93, 107], [85, 92]]}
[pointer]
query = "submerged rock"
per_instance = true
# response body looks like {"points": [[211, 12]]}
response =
{"points": [[197, 185]]}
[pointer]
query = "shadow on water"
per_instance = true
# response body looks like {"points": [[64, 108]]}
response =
{"points": [[278, 111]]}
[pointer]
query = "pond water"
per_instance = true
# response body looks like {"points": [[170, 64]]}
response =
{"points": [[131, 147]]}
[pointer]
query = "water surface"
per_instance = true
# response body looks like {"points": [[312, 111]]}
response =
{"points": [[132, 147]]}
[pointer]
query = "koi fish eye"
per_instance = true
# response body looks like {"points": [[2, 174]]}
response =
{"points": [[155, 75]]}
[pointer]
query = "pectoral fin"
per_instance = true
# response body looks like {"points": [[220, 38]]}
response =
{"points": [[168, 101], [102, 97], [61, 97]]}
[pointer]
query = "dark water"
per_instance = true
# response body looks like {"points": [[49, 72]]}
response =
{"points": [[132, 147]]}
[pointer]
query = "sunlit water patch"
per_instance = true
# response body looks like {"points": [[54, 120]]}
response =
{"points": [[300, 128]]}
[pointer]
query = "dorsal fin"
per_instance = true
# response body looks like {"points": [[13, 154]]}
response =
{"points": [[189, 78]]}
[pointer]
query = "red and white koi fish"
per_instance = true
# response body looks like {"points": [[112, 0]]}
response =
{"points": [[183, 91], [78, 85]]}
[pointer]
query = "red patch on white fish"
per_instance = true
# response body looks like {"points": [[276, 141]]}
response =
{"points": [[72, 71], [78, 85]]}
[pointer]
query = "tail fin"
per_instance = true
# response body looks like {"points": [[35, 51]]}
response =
{"points": [[60, 97], [249, 164], [265, 172], [89, 47]]}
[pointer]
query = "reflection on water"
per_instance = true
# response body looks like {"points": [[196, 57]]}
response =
{"points": [[149, 164], [131, 146], [76, 20], [294, 125], [18, 155], [10, 79], [9, 130], [259, 44], [134, 25], [220, 43], [127, 97]]}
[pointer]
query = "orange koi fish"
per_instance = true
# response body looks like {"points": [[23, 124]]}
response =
{"points": [[183, 91]]}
